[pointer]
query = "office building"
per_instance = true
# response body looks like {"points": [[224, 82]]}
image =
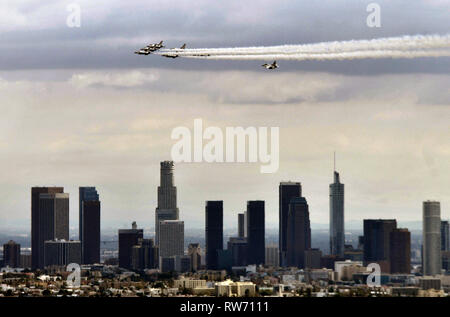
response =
{"points": [[241, 225], [431, 238], [286, 191], [255, 221], [238, 248], [89, 228], [298, 232], [445, 236], [128, 238], [11, 254], [37, 242], [50, 220], [377, 241], [171, 233], [213, 232], [144, 255], [194, 252], [61, 252], [167, 197], [312, 259], [400, 251], [272, 256], [167, 264], [337, 238]]}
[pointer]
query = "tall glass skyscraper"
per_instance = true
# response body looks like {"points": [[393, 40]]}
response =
{"points": [[337, 233], [298, 232], [213, 232], [89, 205], [167, 198], [286, 191], [255, 221], [37, 240], [431, 238]]}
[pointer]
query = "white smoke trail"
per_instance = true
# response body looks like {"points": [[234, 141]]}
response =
{"points": [[332, 56], [394, 47]]}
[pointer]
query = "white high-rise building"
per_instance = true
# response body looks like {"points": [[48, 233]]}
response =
{"points": [[431, 238], [167, 198]]}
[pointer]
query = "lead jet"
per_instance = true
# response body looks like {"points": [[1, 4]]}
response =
{"points": [[270, 66], [174, 55]]}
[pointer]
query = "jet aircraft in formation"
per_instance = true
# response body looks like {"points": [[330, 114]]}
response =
{"points": [[150, 48], [154, 47]]}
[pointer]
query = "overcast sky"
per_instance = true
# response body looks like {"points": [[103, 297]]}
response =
{"points": [[79, 108]]}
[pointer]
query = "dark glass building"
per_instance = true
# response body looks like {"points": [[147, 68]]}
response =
{"points": [[377, 241], [37, 244], [255, 220], [238, 248], [144, 255], [89, 205], [298, 232], [62, 252], [213, 232], [286, 191], [11, 254], [400, 251], [445, 236], [128, 238], [241, 225]]}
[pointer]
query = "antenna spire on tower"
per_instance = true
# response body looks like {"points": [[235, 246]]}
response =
{"points": [[334, 160]]}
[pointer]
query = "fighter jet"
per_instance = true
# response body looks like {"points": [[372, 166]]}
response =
{"points": [[143, 51], [174, 55], [150, 48], [270, 66], [155, 47]]}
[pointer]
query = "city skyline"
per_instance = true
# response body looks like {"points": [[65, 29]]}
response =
{"points": [[228, 225]]}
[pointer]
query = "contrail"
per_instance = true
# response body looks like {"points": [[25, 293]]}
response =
{"points": [[392, 47]]}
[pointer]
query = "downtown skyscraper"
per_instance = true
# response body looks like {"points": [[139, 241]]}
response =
{"points": [[49, 220], [213, 232], [167, 198], [298, 232], [89, 217], [255, 221], [431, 238], [286, 191], [337, 231]]}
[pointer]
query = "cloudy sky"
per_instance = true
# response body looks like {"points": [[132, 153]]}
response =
{"points": [[79, 108]]}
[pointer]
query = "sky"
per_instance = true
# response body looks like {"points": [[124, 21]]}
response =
{"points": [[78, 108]]}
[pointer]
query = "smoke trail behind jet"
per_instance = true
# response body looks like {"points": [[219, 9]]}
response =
{"points": [[393, 47]]}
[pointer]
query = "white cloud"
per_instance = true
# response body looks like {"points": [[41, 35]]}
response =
{"points": [[125, 79]]}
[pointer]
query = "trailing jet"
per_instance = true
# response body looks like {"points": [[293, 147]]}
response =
{"points": [[174, 55], [270, 66]]}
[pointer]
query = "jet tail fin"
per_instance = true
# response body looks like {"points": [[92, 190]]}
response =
{"points": [[183, 46], [160, 43]]}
